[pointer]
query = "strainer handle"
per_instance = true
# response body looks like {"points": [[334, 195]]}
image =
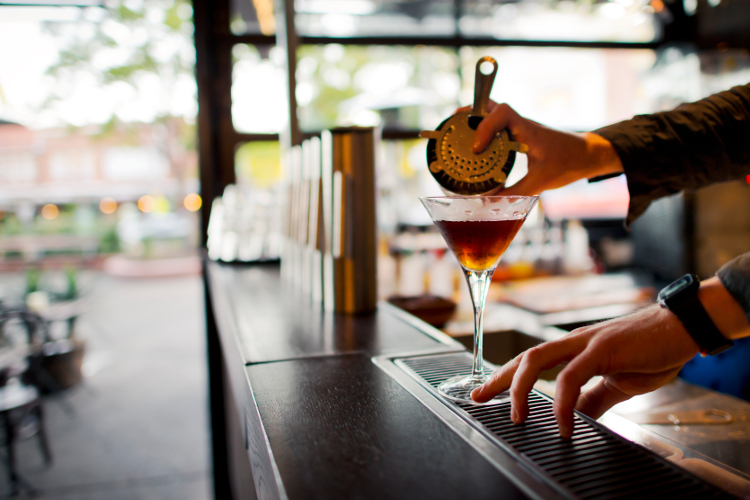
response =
{"points": [[483, 86]]}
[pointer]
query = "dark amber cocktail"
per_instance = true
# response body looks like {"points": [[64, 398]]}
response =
{"points": [[479, 244]]}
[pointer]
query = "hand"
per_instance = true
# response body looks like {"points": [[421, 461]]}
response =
{"points": [[635, 354], [555, 158]]}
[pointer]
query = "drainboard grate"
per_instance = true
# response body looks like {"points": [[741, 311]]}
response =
{"points": [[594, 464]]}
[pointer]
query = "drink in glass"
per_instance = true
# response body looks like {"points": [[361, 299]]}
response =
{"points": [[478, 230]]}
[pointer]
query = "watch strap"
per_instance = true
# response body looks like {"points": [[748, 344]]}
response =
{"points": [[693, 316]]}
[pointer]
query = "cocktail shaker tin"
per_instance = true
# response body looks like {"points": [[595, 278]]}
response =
{"points": [[349, 219]]}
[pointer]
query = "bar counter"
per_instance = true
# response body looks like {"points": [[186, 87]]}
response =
{"points": [[300, 410]]}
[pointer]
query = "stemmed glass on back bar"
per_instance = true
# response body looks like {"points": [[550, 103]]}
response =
{"points": [[478, 230]]}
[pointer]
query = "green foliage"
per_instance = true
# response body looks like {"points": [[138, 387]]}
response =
{"points": [[110, 241], [71, 280], [105, 49], [64, 223], [259, 163], [172, 17], [33, 276], [128, 15], [10, 225], [338, 73], [322, 112], [37, 281]]}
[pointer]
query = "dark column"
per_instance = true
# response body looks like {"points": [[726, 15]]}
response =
{"points": [[213, 47]]}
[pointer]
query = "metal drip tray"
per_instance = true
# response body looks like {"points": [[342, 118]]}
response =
{"points": [[595, 464]]}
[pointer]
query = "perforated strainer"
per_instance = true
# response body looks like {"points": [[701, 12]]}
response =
{"points": [[453, 163]]}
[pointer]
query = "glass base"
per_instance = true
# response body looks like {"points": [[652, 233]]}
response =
{"points": [[459, 389]]}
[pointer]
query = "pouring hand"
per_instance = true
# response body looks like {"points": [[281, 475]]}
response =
{"points": [[555, 158]]}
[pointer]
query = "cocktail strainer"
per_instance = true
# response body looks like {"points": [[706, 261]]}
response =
{"points": [[453, 163]]}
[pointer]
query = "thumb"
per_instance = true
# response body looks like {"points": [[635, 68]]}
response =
{"points": [[599, 399]]}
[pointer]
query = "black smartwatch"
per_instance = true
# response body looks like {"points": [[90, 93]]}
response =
{"points": [[681, 297]]}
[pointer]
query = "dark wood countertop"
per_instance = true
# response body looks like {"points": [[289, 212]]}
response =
{"points": [[273, 323], [341, 428], [320, 419], [314, 417]]}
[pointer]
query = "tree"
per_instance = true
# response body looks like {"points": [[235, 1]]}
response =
{"points": [[133, 58], [127, 63]]}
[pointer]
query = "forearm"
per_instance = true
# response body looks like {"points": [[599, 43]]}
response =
{"points": [[728, 316], [734, 277], [602, 157]]}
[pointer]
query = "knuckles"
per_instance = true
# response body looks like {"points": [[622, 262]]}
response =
{"points": [[534, 355], [566, 379], [503, 108]]}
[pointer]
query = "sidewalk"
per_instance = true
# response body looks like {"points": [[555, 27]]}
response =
{"points": [[137, 427]]}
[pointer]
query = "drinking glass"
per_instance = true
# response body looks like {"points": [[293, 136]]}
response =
{"points": [[478, 230]]}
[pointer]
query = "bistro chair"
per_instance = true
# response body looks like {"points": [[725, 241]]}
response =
{"points": [[21, 409]]}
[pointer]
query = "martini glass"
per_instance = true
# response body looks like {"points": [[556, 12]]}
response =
{"points": [[478, 230]]}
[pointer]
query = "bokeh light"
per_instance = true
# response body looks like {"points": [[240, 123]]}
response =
{"points": [[108, 205], [162, 205], [146, 203], [50, 211], [193, 202]]}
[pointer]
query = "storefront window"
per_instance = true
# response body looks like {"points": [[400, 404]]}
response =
{"points": [[259, 101], [568, 88], [252, 17], [575, 20], [258, 164], [374, 18], [396, 87]]}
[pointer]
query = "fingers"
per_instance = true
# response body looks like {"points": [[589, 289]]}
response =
{"points": [[521, 373], [498, 382], [568, 388], [498, 119], [533, 362], [490, 106], [599, 399], [527, 186]]}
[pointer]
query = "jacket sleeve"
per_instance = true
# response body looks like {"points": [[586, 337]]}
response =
{"points": [[694, 145]]}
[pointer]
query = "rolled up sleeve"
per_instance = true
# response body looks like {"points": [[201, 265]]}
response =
{"points": [[692, 146]]}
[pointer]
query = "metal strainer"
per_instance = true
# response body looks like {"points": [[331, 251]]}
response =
{"points": [[452, 162]]}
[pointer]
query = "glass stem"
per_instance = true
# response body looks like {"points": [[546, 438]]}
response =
{"points": [[479, 285]]}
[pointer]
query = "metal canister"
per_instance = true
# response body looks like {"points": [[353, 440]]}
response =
{"points": [[350, 236]]}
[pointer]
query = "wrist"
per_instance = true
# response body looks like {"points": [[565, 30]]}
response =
{"points": [[603, 159], [670, 322], [724, 311], [681, 298]]}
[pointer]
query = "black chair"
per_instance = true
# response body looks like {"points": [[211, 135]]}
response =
{"points": [[22, 380]]}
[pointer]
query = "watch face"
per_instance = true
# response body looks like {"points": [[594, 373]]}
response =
{"points": [[676, 286]]}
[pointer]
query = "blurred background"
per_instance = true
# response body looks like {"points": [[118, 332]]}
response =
{"points": [[102, 347], [104, 210]]}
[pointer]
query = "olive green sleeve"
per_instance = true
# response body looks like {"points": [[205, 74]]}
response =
{"points": [[692, 146]]}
